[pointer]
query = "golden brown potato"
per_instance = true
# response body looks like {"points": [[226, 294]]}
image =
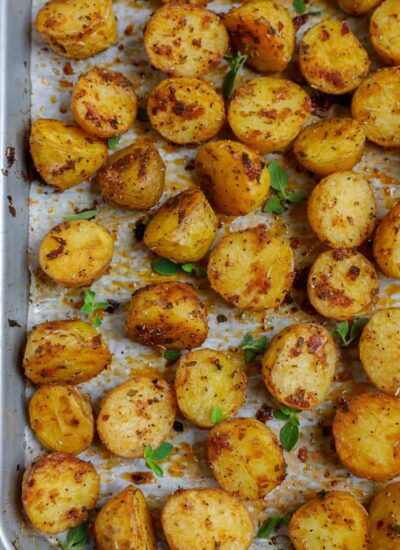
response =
{"points": [[334, 520], [63, 154], [380, 350], [367, 436], [76, 253], [375, 106], [64, 351], [342, 210], [186, 110], [384, 518], [387, 243], [267, 113], [77, 29], [104, 103], [134, 177], [358, 7], [246, 458], [330, 145], [206, 519], [62, 418], [167, 314], [233, 176], [183, 228], [342, 284], [385, 31], [299, 365], [332, 58], [185, 40], [206, 379], [135, 414], [252, 268], [58, 491], [264, 31], [124, 523]]}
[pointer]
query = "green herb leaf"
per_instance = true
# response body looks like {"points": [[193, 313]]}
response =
{"points": [[163, 451], [299, 6], [90, 306], [253, 347], [314, 12], [274, 205], [357, 327], [154, 467], [289, 435], [85, 215], [172, 354], [151, 457], [278, 178], [237, 61], [77, 537], [279, 183], [295, 196], [216, 415], [165, 267], [269, 526], [112, 142], [142, 114], [348, 333]]}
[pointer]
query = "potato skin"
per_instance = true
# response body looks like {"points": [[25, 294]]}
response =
{"points": [[63, 154], [186, 110], [367, 435], [252, 268], [299, 365], [264, 31], [205, 519], [387, 243], [207, 378], [330, 146], [124, 523], [183, 228], [358, 7], [135, 414], [58, 491], [233, 176], [62, 418], [64, 351], [342, 284], [384, 518], [330, 520], [384, 30], [342, 210]]}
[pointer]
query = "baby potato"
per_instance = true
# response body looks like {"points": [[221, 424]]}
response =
{"points": [[135, 414], [186, 110], [185, 40], [104, 103], [134, 177], [206, 519], [63, 154], [342, 284], [124, 523], [384, 518], [62, 418], [333, 520], [233, 176], [246, 458], [375, 105], [268, 112], [332, 58], [252, 268], [387, 243], [299, 365], [206, 379], [58, 491], [367, 436], [342, 210], [384, 30], [183, 228], [264, 31], [331, 145], [380, 350], [358, 7], [76, 253], [77, 29], [64, 351]]}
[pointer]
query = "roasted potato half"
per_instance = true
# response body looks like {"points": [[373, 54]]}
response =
{"points": [[299, 365], [330, 145], [252, 268], [342, 284], [125, 523], [62, 418], [206, 379], [186, 110], [384, 518], [358, 7], [205, 519], [64, 351], [63, 154], [367, 436], [342, 210], [167, 314], [385, 31], [387, 243], [233, 176], [264, 31], [77, 29], [135, 414], [334, 520], [58, 491], [183, 228]]}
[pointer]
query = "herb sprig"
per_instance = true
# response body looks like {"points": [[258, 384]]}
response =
{"points": [[253, 346], [168, 267], [153, 456], [113, 141], [77, 537], [300, 7], [216, 415], [289, 434], [172, 354], [236, 62], [279, 181], [85, 215], [347, 333], [269, 526], [91, 307]]}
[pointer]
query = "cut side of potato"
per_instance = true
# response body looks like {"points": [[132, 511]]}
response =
{"points": [[385, 31], [358, 7], [387, 243], [384, 518]]}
